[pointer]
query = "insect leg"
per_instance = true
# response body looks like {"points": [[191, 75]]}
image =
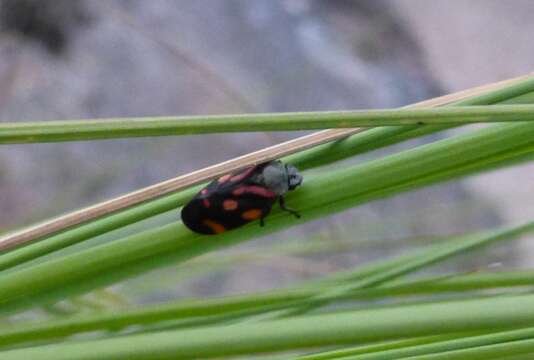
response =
{"points": [[283, 206], [262, 221]]}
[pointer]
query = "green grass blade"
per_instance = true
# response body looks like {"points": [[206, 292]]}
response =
{"points": [[468, 244], [320, 155], [182, 310], [77, 130], [215, 310], [384, 347], [107, 263], [448, 347], [86, 231], [496, 351], [372, 139], [302, 332]]}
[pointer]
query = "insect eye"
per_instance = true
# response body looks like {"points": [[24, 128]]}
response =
{"points": [[294, 181]]}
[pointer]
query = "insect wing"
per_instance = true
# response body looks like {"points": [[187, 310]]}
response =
{"points": [[227, 203]]}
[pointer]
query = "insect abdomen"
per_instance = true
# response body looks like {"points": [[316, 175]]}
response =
{"points": [[215, 214], [234, 200]]}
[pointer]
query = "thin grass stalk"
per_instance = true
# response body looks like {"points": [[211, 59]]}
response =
{"points": [[305, 159], [469, 243], [221, 309], [376, 138], [501, 91], [469, 343], [309, 158], [301, 332], [488, 352], [111, 206], [287, 255], [381, 347], [77, 130], [107, 263], [92, 229]]}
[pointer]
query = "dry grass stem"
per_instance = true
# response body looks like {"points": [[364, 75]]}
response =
{"points": [[181, 182]]}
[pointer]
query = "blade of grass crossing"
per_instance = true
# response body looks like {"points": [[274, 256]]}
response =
{"points": [[447, 347], [301, 332], [278, 299], [467, 244], [496, 351], [170, 243], [317, 156], [346, 353], [84, 130]]}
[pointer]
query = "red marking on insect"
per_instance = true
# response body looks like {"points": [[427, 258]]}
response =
{"points": [[251, 214], [254, 189], [213, 225], [230, 204], [243, 175], [236, 199], [224, 178]]}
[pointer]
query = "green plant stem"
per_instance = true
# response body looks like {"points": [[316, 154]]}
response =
{"points": [[488, 352], [471, 344], [317, 156], [71, 130], [520, 93], [302, 332], [199, 309], [104, 264], [468, 244], [94, 228], [382, 347]]}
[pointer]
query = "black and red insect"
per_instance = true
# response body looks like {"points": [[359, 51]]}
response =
{"points": [[236, 199]]}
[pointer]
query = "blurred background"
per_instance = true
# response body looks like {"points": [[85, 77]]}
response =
{"points": [[77, 59]]}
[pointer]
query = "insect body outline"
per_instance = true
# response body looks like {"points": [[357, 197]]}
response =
{"points": [[236, 199]]}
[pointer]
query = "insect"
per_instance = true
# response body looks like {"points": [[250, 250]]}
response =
{"points": [[236, 199]]}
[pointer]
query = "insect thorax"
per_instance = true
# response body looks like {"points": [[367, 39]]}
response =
{"points": [[276, 177]]}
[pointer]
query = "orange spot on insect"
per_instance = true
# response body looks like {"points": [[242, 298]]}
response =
{"points": [[215, 226], [224, 178], [206, 203], [251, 214], [230, 204]]}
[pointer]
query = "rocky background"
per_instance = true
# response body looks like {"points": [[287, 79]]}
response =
{"points": [[71, 59]]}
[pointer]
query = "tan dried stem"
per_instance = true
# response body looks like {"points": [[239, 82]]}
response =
{"points": [[181, 182]]}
